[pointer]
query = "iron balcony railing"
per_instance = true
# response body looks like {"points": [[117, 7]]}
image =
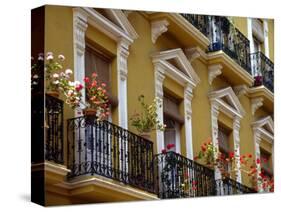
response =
{"points": [[262, 70], [54, 129], [179, 177], [229, 186], [223, 36], [102, 148]]}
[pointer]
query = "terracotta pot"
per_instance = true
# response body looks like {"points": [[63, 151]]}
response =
{"points": [[145, 135], [53, 93], [89, 112]]}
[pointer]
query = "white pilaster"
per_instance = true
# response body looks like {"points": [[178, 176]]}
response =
{"points": [[250, 34], [236, 140], [122, 72], [215, 132], [79, 29], [266, 41], [257, 140], [188, 121], [159, 78]]}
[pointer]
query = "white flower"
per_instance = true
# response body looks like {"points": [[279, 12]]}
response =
{"points": [[55, 75], [71, 83], [70, 92], [49, 53], [62, 74], [68, 71], [40, 58], [76, 83], [35, 76], [77, 98], [55, 82], [34, 83], [61, 57], [50, 57]]}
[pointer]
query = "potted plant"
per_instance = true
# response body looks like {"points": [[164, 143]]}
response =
{"points": [[258, 80], [97, 99], [58, 81], [147, 120]]}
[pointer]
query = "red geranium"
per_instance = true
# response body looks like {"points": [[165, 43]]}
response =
{"points": [[170, 146]]}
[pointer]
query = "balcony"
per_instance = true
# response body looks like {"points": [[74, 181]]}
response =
{"points": [[223, 36], [54, 130], [263, 70], [179, 177], [102, 148]]}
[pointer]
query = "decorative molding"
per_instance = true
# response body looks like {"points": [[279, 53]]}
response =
{"points": [[256, 103], [236, 112], [159, 79], [184, 74], [241, 90], [122, 56], [194, 53], [259, 134], [233, 110], [158, 28], [159, 72], [188, 95], [214, 71], [80, 26], [187, 77], [236, 140]]}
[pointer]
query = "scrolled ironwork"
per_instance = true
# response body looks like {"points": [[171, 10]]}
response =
{"points": [[102, 148], [263, 67], [54, 129]]}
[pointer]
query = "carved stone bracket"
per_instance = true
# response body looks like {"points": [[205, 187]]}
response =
{"points": [[158, 28], [256, 104], [214, 71], [241, 90]]}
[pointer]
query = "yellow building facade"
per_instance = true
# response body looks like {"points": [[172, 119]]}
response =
{"points": [[214, 76]]}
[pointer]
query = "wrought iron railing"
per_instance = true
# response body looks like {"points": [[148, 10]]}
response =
{"points": [[102, 148], [263, 70], [179, 177], [201, 22], [223, 36], [54, 129], [228, 186]]}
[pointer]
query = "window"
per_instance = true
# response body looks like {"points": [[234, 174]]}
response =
{"points": [[265, 161], [97, 61], [173, 121], [224, 147], [257, 44]]}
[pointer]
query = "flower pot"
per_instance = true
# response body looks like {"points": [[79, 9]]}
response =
{"points": [[89, 112], [145, 135], [53, 93]]}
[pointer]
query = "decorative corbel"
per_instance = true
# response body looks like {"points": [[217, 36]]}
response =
{"points": [[256, 104], [214, 71], [240, 90], [158, 28]]}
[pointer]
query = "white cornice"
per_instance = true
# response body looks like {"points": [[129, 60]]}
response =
{"points": [[106, 26]]}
